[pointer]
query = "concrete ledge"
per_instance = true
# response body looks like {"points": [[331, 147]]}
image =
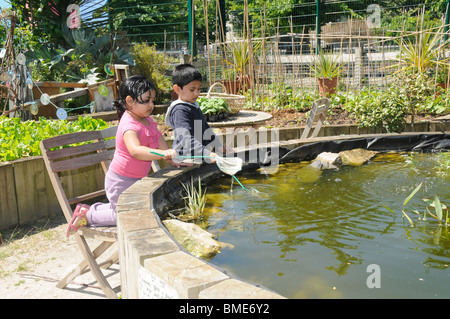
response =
{"points": [[185, 273], [154, 265]]}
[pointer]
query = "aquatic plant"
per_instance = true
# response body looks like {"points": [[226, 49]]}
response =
{"points": [[195, 199], [443, 163], [436, 204]]}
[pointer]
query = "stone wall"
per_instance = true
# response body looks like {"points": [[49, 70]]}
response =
{"points": [[154, 265]]}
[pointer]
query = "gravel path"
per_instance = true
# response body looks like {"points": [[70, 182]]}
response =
{"points": [[33, 260]]}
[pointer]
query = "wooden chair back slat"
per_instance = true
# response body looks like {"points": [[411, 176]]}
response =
{"points": [[85, 197], [71, 138], [81, 161], [72, 151], [318, 114]]}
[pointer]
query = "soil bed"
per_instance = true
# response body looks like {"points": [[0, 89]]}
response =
{"points": [[293, 118]]}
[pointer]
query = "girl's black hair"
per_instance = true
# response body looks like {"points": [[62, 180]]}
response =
{"points": [[134, 86]]}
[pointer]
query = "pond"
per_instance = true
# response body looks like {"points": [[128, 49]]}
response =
{"points": [[326, 234]]}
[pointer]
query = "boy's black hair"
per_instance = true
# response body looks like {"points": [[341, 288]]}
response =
{"points": [[134, 86], [185, 74]]}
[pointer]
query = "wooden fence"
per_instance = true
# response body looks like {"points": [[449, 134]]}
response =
{"points": [[27, 193]]}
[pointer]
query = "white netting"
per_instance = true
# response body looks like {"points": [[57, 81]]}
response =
{"points": [[229, 165]]}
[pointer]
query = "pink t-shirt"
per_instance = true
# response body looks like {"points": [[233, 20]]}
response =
{"points": [[123, 163]]}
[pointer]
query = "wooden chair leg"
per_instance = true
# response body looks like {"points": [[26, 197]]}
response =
{"points": [[89, 261], [114, 259]]}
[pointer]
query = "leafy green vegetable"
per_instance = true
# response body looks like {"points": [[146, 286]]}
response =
{"points": [[213, 105], [21, 139]]}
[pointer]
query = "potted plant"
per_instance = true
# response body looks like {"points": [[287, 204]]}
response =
{"points": [[239, 60], [214, 109], [326, 69], [442, 77]]}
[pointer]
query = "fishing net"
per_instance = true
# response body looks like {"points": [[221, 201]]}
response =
{"points": [[229, 165]]}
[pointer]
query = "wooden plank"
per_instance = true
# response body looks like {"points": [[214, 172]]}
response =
{"points": [[94, 86], [317, 114], [68, 95], [110, 143], [76, 150], [108, 234], [61, 84], [87, 180], [109, 132], [72, 138], [85, 197], [80, 162], [57, 98], [30, 189], [9, 216]]}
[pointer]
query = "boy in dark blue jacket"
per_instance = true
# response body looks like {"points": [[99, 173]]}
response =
{"points": [[192, 134]]}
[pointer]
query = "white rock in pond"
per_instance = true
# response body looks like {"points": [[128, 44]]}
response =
{"points": [[328, 157], [357, 156], [326, 160], [194, 239]]}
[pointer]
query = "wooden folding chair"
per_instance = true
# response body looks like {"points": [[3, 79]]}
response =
{"points": [[318, 114], [66, 153]]}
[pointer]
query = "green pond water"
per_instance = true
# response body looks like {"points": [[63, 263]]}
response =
{"points": [[312, 234]]}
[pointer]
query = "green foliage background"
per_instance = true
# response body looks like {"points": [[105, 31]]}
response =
{"points": [[21, 139]]}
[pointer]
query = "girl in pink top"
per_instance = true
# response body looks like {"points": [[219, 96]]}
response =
{"points": [[136, 136]]}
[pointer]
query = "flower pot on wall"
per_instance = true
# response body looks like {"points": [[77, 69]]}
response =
{"points": [[327, 86]]}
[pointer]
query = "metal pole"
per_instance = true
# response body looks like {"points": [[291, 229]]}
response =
{"points": [[317, 26], [223, 21], [447, 20], [191, 24]]}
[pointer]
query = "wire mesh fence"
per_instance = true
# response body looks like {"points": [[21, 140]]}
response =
{"points": [[269, 43], [283, 39]]}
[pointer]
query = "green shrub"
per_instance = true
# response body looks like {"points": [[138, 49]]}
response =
{"points": [[153, 65], [21, 139], [408, 94], [281, 96], [375, 108]]}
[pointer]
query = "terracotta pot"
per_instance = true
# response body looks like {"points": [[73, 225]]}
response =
{"points": [[238, 86], [327, 86], [232, 87], [443, 85]]}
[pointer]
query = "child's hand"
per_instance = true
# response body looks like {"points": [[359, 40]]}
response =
{"points": [[228, 150], [212, 159], [169, 154]]}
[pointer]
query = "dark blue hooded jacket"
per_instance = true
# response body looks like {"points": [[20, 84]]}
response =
{"points": [[192, 134]]}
